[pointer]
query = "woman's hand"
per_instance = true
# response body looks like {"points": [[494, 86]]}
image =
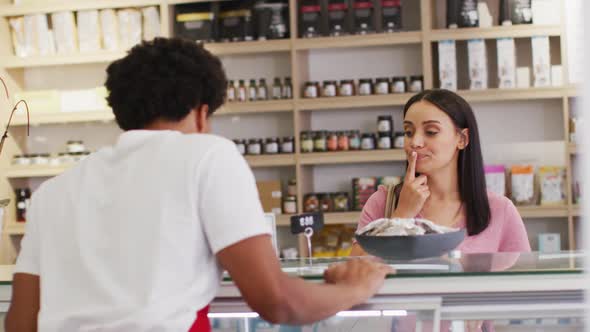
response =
{"points": [[414, 192]]}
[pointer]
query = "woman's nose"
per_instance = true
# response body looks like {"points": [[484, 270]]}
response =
{"points": [[417, 141]]}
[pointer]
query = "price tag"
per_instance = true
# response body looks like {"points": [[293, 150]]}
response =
{"points": [[299, 223]]}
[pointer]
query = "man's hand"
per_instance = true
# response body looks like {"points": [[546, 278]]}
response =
{"points": [[365, 275]]}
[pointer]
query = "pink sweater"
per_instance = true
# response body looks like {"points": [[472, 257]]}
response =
{"points": [[505, 233]]}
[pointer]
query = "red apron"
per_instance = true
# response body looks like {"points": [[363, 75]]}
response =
{"points": [[202, 323]]}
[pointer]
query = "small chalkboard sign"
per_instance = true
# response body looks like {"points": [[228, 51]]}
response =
{"points": [[300, 222]]}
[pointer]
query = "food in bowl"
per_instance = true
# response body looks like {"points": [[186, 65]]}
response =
{"points": [[403, 227]]}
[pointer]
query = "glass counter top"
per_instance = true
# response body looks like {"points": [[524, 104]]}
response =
{"points": [[455, 265]]}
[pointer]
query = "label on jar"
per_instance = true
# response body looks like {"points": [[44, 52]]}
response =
{"points": [[307, 145], [382, 88], [330, 90], [399, 87], [241, 148], [320, 144], [271, 148], [399, 142], [346, 89], [311, 91], [252, 93], [416, 86], [367, 144], [241, 94], [355, 143], [254, 148], [384, 126], [287, 147], [290, 207], [365, 89], [231, 94], [276, 92], [262, 93], [385, 142]]}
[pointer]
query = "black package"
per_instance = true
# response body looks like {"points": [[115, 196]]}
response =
{"points": [[521, 11], [391, 14], [453, 13], [338, 18], [310, 19], [468, 15], [363, 14], [196, 23], [236, 25], [272, 20]]}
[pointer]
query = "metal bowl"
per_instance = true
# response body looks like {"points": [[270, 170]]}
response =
{"points": [[412, 246]]}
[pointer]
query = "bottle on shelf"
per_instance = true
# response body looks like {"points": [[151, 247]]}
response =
{"points": [[287, 89], [242, 94], [277, 88], [262, 90], [252, 91], [231, 91]]}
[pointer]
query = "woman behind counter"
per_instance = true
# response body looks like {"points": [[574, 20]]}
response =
{"points": [[445, 179]]}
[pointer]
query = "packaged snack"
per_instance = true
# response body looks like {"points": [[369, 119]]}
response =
{"points": [[523, 184], [496, 179], [552, 184]]}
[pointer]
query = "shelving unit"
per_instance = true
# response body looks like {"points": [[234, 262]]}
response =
{"points": [[299, 109]]}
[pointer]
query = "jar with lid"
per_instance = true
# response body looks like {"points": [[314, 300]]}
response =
{"points": [[311, 203], [252, 90], [277, 88], [382, 86], [40, 159], [65, 158], [21, 160], [398, 141], [262, 90], [254, 146], [384, 142], [241, 145], [75, 146], [416, 83], [329, 89], [311, 90], [384, 124], [292, 187], [326, 203], [231, 91], [365, 86], [77, 156], [332, 141], [271, 146], [287, 91], [368, 141], [341, 203], [355, 140], [306, 142], [242, 93], [343, 141], [399, 85], [23, 196], [346, 88], [288, 145], [319, 141], [290, 205]]}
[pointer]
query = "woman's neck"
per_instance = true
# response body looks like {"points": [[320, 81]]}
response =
{"points": [[444, 184]]}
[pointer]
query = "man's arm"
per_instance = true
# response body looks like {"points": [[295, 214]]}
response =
{"points": [[24, 306], [279, 298]]}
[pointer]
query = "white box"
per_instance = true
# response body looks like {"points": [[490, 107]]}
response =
{"points": [[109, 30], [541, 61], [557, 75], [523, 77], [544, 12], [447, 64], [130, 29], [88, 30], [151, 23], [549, 242], [506, 63], [478, 64], [64, 30]]}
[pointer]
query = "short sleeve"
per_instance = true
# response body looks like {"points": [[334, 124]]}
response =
{"points": [[228, 203], [514, 234], [28, 260], [374, 208]]}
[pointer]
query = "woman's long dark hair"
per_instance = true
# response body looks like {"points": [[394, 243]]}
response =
{"points": [[472, 182]]}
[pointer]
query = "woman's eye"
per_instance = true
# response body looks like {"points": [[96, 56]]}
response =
{"points": [[431, 133], [408, 133]]}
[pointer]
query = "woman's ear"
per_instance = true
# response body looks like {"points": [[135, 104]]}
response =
{"points": [[463, 138]]}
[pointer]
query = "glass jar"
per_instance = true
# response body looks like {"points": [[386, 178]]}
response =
{"points": [[384, 123], [332, 141], [292, 187], [288, 145], [355, 140], [341, 203], [311, 203], [287, 92], [231, 91], [416, 83], [346, 88], [365, 86], [21, 160], [262, 90], [254, 147], [242, 93], [311, 90], [368, 141], [384, 142], [319, 142], [399, 85], [271, 146], [382, 86], [75, 146], [306, 142], [277, 88], [329, 89], [343, 141], [252, 91], [326, 203], [40, 159], [398, 141], [241, 146], [290, 205]]}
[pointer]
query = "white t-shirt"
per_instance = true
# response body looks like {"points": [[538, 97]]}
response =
{"points": [[126, 240]]}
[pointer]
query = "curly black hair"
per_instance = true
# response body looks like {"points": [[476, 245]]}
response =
{"points": [[164, 79]]}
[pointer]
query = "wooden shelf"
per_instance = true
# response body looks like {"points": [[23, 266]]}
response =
{"points": [[494, 95], [15, 228], [56, 6], [249, 47], [34, 171], [271, 160], [380, 39], [576, 210], [64, 117], [268, 106], [515, 31], [12, 61], [327, 103], [349, 157], [572, 148], [538, 211]]}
